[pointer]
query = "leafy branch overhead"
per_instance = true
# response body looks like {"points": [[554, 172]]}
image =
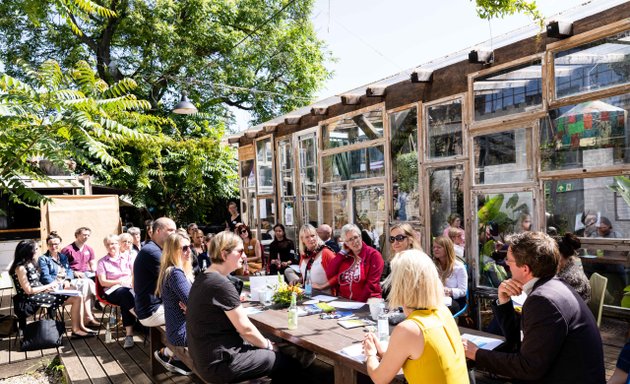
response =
{"points": [[490, 9]]}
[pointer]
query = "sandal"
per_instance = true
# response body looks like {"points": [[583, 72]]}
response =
{"points": [[92, 323]]}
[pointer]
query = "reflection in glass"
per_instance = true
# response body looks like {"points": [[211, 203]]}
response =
{"points": [[265, 166], [596, 65], [369, 211], [247, 173], [356, 129], [404, 152], [353, 165], [498, 215], [267, 213], [595, 209], [446, 196], [507, 92], [308, 178], [590, 134], [503, 157], [334, 206], [445, 129]]}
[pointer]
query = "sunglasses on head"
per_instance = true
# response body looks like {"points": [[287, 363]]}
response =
{"points": [[185, 248], [397, 238]]}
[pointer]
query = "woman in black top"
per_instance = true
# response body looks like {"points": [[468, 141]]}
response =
{"points": [[233, 218], [225, 345], [281, 251]]}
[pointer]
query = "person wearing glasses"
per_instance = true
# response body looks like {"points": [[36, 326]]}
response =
{"points": [[252, 250], [402, 236], [355, 272], [314, 258], [556, 340], [126, 246], [114, 274], [452, 272], [224, 344], [173, 286]]}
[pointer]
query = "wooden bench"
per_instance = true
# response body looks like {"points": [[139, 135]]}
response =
{"points": [[158, 340]]}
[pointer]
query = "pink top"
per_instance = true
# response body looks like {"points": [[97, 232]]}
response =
{"points": [[119, 268]]}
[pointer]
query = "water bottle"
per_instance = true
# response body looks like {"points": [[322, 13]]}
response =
{"points": [[382, 326], [112, 317], [293, 312], [108, 332], [308, 287]]}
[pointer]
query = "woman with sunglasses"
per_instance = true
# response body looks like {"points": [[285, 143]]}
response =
{"points": [[452, 272], [402, 236], [226, 347], [173, 286], [314, 258], [252, 250], [114, 272], [281, 251], [355, 272]]}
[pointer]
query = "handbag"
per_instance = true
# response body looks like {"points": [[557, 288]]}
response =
{"points": [[8, 325], [42, 334]]}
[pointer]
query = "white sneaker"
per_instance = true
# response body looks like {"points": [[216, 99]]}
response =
{"points": [[129, 343]]}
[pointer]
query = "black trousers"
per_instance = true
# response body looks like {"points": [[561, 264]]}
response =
{"points": [[123, 298]]}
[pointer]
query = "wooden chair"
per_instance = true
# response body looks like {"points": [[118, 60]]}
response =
{"points": [[598, 292]]}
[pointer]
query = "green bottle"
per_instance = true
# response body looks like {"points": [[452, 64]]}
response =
{"points": [[293, 312]]}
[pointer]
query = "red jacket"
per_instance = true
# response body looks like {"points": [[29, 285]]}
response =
{"points": [[356, 282]]}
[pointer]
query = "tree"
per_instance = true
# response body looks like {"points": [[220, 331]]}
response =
{"points": [[488, 9], [60, 115], [260, 56]]}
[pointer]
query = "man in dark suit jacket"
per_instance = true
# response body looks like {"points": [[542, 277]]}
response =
{"points": [[561, 342]]}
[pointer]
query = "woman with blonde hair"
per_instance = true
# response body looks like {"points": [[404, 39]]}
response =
{"points": [[427, 345], [225, 345], [314, 258], [452, 272], [402, 236], [173, 286]]}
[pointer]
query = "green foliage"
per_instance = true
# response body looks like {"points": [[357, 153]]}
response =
{"points": [[489, 9], [622, 187], [105, 131], [407, 166]]}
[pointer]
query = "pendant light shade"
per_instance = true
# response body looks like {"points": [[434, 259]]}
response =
{"points": [[185, 107]]}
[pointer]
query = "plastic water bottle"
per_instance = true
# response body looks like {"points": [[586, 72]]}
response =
{"points": [[308, 287], [382, 326], [108, 330], [293, 312]]}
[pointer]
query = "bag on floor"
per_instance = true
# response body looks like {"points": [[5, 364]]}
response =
{"points": [[42, 334], [8, 325]]}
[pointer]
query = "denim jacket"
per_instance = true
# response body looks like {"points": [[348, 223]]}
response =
{"points": [[49, 267]]}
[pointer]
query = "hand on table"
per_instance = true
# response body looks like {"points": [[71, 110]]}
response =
{"points": [[470, 349], [509, 288]]}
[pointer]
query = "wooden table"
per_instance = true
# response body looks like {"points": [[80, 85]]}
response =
{"points": [[324, 337]]}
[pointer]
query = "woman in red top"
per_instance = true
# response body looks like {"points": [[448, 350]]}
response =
{"points": [[355, 272], [315, 256]]}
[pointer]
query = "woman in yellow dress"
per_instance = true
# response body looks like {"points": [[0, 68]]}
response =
{"points": [[427, 345]]}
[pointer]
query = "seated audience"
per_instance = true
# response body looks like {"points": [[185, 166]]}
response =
{"points": [[197, 245], [281, 251], [253, 251], [54, 266], [126, 246], [325, 233], [457, 237], [226, 347], [135, 235], [114, 275], [560, 339], [173, 286], [355, 272], [427, 345], [80, 255], [452, 272], [314, 258], [570, 267], [32, 294], [401, 237]]}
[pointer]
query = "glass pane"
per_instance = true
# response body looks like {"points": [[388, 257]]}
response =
{"points": [[497, 216], [265, 169], [590, 134], [600, 64], [507, 92], [309, 208], [369, 211], [404, 150], [308, 165], [595, 208], [250, 211], [445, 129], [247, 173], [334, 206], [357, 164], [267, 214], [503, 157], [356, 129], [447, 197], [286, 168], [288, 218]]}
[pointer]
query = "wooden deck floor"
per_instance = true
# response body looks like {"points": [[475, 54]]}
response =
{"points": [[92, 360]]}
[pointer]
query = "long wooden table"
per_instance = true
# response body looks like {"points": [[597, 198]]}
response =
{"points": [[324, 337]]}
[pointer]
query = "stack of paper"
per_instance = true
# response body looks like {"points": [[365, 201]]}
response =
{"points": [[354, 351]]}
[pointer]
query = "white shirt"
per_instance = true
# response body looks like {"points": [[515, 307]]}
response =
{"points": [[457, 281]]}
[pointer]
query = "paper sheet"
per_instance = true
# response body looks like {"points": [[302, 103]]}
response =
{"points": [[448, 301], [67, 292], [112, 289], [324, 298], [354, 351], [347, 304], [488, 343]]}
